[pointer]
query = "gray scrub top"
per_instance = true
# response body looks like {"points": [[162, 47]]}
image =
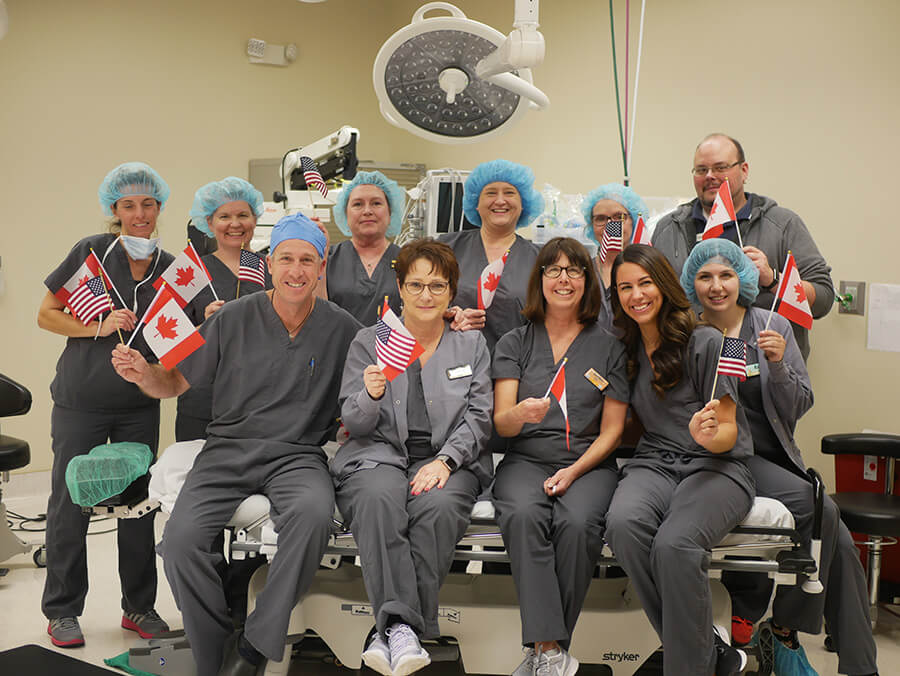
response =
{"points": [[85, 378], [765, 443], [505, 312], [197, 401], [526, 355], [276, 392], [351, 287], [418, 441]]}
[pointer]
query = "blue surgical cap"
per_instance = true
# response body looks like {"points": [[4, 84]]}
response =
{"points": [[628, 198], [517, 175], [132, 178], [396, 198], [213, 195], [726, 252], [297, 226]]}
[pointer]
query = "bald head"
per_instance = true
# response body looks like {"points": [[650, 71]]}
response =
{"points": [[738, 148]]}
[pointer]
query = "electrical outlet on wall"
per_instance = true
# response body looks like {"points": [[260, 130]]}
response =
{"points": [[856, 303]]}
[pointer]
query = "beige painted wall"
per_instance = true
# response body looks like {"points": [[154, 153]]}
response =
{"points": [[809, 87]]}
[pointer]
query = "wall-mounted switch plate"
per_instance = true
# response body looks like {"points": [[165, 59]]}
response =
{"points": [[856, 304]]}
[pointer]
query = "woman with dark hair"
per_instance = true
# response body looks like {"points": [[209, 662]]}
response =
{"points": [[554, 484], [415, 462], [688, 484]]}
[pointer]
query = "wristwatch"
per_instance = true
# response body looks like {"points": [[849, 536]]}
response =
{"points": [[774, 280], [449, 462]]}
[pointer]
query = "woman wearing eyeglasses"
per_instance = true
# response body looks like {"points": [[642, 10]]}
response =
{"points": [[415, 462], [556, 480]]}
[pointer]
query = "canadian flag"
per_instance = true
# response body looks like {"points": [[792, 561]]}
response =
{"points": [[641, 235], [88, 270], [721, 213], [186, 276], [558, 390], [487, 283], [791, 296], [168, 331]]}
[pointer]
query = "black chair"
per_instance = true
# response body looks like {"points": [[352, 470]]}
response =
{"points": [[876, 515], [14, 453]]}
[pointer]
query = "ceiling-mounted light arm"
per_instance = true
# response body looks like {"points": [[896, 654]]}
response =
{"points": [[538, 99], [523, 47]]}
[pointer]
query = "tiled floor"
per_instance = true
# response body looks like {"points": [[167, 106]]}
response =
{"points": [[21, 621]]}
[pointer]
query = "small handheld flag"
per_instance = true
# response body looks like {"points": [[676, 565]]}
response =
{"points": [[612, 239], [641, 235], [487, 283], [722, 218], [790, 298], [252, 268], [732, 361], [558, 389], [395, 346], [168, 331], [186, 276], [311, 175], [89, 300]]}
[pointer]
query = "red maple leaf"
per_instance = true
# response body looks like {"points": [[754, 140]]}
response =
{"points": [[83, 280], [165, 327], [184, 277], [800, 291], [490, 284]]}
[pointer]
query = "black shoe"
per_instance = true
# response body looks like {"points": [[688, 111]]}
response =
{"points": [[234, 664], [729, 661]]}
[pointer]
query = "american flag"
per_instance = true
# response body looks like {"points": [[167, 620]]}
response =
{"points": [[733, 360], [89, 300], [312, 176], [612, 239], [252, 268], [395, 347]]}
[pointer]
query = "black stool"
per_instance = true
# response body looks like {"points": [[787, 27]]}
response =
{"points": [[877, 515], [14, 453]]}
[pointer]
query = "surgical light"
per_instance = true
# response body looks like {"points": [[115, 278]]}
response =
{"points": [[451, 79]]}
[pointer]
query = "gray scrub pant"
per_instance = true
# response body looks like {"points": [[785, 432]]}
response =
{"points": [[406, 542], [844, 602], [75, 433], [663, 520], [300, 490], [553, 542]]}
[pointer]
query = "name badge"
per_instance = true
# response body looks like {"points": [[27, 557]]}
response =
{"points": [[459, 372], [752, 370], [596, 379]]}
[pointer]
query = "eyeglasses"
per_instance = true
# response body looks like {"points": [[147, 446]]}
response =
{"points": [[603, 220], [434, 288], [554, 271], [717, 170]]}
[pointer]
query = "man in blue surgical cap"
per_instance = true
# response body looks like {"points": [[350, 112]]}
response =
{"points": [[274, 361]]}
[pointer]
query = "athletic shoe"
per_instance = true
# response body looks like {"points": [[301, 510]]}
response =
{"points": [[65, 632], [378, 656], [527, 666], [729, 661], [147, 625], [555, 663], [407, 654], [741, 631]]}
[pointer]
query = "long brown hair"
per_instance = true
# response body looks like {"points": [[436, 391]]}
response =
{"points": [[591, 302], [675, 321]]}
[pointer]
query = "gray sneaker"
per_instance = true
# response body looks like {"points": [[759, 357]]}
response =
{"points": [[377, 656], [147, 625], [65, 632], [527, 666], [555, 663], [407, 654]]}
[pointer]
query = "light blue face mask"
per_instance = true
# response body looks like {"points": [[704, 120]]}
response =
{"points": [[139, 248]]}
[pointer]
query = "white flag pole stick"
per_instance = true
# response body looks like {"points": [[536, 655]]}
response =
{"points": [[206, 272], [146, 312], [547, 394], [777, 291], [716, 378], [106, 276]]}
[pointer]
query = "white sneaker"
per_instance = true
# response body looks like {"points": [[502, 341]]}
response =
{"points": [[407, 654], [377, 656], [555, 663], [527, 666]]}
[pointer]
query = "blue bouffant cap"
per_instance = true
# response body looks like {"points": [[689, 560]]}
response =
{"points": [[726, 252], [132, 178], [213, 195], [517, 175], [396, 198], [297, 226], [628, 198]]}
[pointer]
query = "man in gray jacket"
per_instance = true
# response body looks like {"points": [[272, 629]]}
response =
{"points": [[768, 231]]}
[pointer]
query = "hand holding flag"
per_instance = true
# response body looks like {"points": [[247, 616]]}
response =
{"points": [[395, 346], [167, 330]]}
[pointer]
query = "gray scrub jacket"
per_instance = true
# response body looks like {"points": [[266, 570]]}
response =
{"points": [[458, 395]]}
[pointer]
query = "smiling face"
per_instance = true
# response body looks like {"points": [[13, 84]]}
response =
{"points": [[137, 214], [500, 206], [717, 287], [640, 298], [425, 306], [563, 294], [368, 211], [233, 224], [296, 268], [718, 152]]}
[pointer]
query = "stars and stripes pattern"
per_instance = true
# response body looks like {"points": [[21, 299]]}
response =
{"points": [[612, 239], [395, 346], [89, 300], [252, 268], [311, 175], [733, 359]]}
